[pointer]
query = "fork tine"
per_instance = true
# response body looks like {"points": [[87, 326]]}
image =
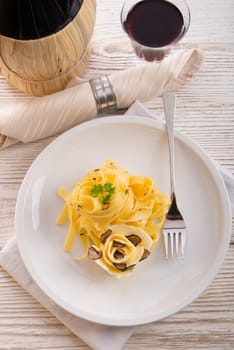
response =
{"points": [[182, 236], [177, 241], [171, 235], [165, 239]]}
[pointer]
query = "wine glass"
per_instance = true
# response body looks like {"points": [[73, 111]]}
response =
{"points": [[154, 26]]}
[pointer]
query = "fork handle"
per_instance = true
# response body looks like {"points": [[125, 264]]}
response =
{"points": [[169, 110]]}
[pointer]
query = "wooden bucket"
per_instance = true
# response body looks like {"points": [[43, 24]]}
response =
{"points": [[43, 66]]}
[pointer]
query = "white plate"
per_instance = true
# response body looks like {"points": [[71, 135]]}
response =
{"points": [[157, 288]]}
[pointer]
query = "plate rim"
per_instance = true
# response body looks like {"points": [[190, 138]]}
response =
{"points": [[155, 124]]}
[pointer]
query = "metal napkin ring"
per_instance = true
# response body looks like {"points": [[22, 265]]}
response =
{"points": [[104, 94]]}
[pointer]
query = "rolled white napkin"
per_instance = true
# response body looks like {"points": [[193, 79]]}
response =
{"points": [[98, 337], [49, 115]]}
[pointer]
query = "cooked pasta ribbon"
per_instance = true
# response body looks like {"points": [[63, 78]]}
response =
{"points": [[117, 217]]}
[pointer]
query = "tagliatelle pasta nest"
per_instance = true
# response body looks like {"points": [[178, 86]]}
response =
{"points": [[117, 217]]}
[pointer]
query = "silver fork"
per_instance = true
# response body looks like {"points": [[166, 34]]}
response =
{"points": [[174, 228]]}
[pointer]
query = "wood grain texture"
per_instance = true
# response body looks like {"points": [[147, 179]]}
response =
{"points": [[205, 112]]}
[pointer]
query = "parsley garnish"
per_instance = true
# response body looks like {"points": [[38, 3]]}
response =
{"points": [[96, 190], [106, 199], [108, 187], [103, 192]]}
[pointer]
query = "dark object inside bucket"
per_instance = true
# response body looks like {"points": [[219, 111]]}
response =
{"points": [[34, 19]]}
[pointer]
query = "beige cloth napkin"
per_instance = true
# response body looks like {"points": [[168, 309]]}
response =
{"points": [[49, 115], [98, 337]]}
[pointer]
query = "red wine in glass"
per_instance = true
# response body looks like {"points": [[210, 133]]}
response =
{"points": [[155, 25]]}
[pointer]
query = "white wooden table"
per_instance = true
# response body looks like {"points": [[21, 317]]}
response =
{"points": [[205, 112]]}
